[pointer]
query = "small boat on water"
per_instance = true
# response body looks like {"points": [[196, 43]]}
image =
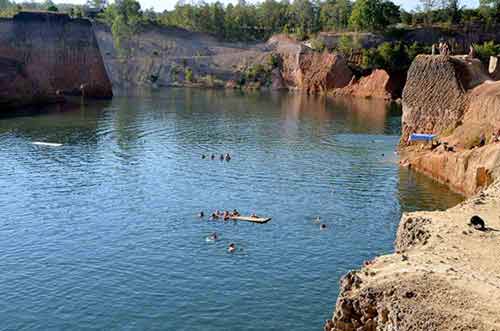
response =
{"points": [[258, 220]]}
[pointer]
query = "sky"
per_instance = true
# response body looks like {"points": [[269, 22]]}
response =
{"points": [[161, 5]]}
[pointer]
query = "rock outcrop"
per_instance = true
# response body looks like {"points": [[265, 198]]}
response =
{"points": [[376, 85], [443, 276], [452, 98], [309, 71], [46, 55]]}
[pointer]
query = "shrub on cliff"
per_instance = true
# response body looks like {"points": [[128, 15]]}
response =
{"points": [[392, 57], [487, 49]]}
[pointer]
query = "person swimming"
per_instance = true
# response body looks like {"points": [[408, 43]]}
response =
{"points": [[203, 156], [322, 226], [222, 157], [213, 157], [236, 213], [317, 220], [201, 214], [228, 157], [214, 236], [226, 215], [231, 248]]}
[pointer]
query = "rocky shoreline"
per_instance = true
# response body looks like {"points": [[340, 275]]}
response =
{"points": [[444, 274]]}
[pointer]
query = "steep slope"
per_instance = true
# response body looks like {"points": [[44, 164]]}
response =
{"points": [[45, 55]]}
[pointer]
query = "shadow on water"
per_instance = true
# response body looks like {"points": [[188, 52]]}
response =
{"points": [[419, 192]]}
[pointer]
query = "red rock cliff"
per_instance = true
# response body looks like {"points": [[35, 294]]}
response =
{"points": [[46, 54], [310, 71]]}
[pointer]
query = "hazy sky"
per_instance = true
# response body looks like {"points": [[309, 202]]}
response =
{"points": [[160, 5]]}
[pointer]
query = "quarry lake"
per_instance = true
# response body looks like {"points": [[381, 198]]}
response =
{"points": [[103, 233]]}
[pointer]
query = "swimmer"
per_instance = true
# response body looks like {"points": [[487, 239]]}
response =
{"points": [[322, 226], [226, 215], [254, 215], [213, 237], [203, 156], [236, 213], [231, 248], [317, 220], [213, 157], [228, 157], [222, 157], [201, 214]]}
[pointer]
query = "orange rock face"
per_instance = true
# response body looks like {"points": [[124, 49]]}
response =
{"points": [[376, 85], [44, 55], [450, 97], [309, 71]]}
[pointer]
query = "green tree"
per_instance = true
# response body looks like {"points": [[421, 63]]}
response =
{"points": [[490, 9], [373, 15], [334, 14]]}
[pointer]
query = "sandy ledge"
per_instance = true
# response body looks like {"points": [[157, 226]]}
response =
{"points": [[445, 275]]}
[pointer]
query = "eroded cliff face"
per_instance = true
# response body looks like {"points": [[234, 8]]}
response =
{"points": [[443, 276], [309, 71], [163, 55], [45, 55], [453, 98]]}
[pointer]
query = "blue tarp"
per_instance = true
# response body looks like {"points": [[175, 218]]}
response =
{"points": [[422, 137]]}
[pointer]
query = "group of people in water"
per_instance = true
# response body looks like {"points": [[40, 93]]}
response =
{"points": [[225, 215], [214, 237], [222, 157], [322, 226]]}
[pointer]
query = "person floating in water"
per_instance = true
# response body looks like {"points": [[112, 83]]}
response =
{"points": [[236, 213], [228, 157], [201, 214], [317, 220], [222, 157], [213, 157], [203, 156], [322, 226], [231, 248], [214, 236], [226, 215]]}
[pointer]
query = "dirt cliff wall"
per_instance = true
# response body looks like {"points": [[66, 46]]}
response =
{"points": [[43, 53]]}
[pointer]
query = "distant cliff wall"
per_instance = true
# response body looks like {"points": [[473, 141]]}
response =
{"points": [[45, 55]]}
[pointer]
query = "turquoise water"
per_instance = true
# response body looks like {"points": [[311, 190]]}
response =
{"points": [[102, 232]]}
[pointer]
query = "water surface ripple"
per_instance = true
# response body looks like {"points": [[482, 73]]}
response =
{"points": [[102, 232]]}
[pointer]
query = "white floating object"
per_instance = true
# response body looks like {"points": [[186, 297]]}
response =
{"points": [[39, 143]]}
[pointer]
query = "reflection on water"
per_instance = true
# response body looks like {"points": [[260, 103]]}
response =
{"points": [[102, 232]]}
